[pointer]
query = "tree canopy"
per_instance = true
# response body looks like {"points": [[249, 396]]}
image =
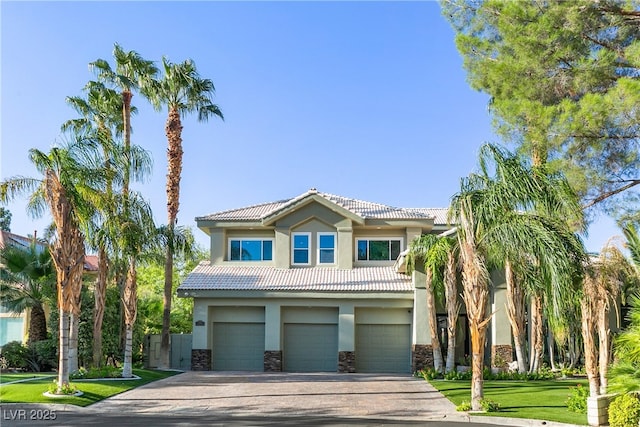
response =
{"points": [[564, 82]]}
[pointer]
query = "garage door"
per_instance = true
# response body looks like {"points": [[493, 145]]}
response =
{"points": [[310, 347], [238, 346], [383, 348]]}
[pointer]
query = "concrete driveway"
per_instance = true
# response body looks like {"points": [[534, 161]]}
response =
{"points": [[245, 394]]}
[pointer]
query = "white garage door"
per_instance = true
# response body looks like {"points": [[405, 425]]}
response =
{"points": [[238, 346], [310, 347], [383, 348]]}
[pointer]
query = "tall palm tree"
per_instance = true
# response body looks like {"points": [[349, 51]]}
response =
{"points": [[182, 91], [101, 115], [28, 283], [67, 187], [132, 72], [500, 213]]}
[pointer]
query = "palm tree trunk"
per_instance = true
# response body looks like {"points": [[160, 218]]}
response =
{"points": [[433, 323], [588, 330], [537, 335], [100, 293], [173, 130], [127, 365], [604, 343], [476, 298], [453, 310], [74, 326], [126, 118], [63, 357], [130, 310], [551, 346], [37, 325], [516, 314]]}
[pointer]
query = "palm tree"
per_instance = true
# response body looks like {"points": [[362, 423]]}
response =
{"points": [[182, 91], [500, 214], [67, 187], [606, 277], [138, 234], [132, 72], [422, 250], [28, 283], [101, 115]]}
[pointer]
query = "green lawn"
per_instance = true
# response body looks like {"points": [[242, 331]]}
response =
{"points": [[543, 400], [7, 378], [94, 391]]}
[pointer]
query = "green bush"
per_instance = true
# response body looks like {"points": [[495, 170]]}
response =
{"points": [[42, 355], [429, 374], [464, 407], [624, 411], [15, 355], [577, 400], [95, 373], [489, 405]]}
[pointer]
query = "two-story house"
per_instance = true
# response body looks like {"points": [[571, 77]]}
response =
{"points": [[311, 284]]}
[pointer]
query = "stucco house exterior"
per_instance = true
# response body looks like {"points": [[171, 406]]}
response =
{"points": [[313, 283]]}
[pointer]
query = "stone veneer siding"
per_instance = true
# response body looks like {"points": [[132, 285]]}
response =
{"points": [[502, 352], [200, 359], [421, 357], [347, 362], [273, 361]]}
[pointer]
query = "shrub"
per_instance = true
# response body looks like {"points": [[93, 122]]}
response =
{"points": [[624, 411], [95, 373], [489, 405], [15, 355], [429, 374], [577, 400], [464, 406], [65, 389], [42, 355], [455, 375]]}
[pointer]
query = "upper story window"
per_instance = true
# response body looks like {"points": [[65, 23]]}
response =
{"points": [[250, 250], [379, 249], [300, 248], [326, 248]]}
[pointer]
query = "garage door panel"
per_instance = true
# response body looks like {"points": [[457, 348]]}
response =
{"points": [[383, 348], [238, 346], [310, 347]]}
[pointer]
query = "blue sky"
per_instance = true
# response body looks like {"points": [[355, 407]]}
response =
{"points": [[361, 99]]}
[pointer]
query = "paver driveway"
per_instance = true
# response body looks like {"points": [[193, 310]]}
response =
{"points": [[285, 394]]}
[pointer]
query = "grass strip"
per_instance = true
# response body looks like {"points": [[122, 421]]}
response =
{"points": [[24, 376], [94, 391], [541, 400]]}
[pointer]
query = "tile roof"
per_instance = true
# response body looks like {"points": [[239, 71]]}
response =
{"points": [[366, 210], [256, 278]]}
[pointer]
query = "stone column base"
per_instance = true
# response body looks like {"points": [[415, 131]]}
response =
{"points": [[200, 359], [501, 356], [273, 361], [421, 357], [347, 362]]}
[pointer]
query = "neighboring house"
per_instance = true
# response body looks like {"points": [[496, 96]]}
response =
{"points": [[15, 326], [312, 284]]}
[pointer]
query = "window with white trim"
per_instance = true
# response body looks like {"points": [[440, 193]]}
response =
{"points": [[326, 248], [300, 248], [378, 249], [250, 249]]}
